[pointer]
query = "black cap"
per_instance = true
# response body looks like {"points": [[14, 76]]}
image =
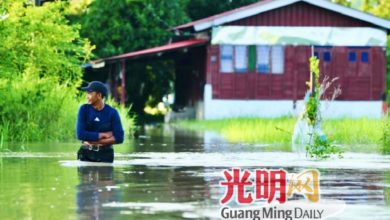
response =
{"points": [[96, 86]]}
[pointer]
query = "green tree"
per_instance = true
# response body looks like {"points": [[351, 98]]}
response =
{"points": [[40, 38], [121, 26], [197, 9], [379, 8], [40, 70], [346, 3]]}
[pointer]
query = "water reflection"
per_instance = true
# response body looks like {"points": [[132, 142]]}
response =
{"points": [[168, 138], [171, 174], [94, 190]]}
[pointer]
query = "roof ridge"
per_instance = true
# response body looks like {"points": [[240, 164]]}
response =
{"points": [[267, 5]]}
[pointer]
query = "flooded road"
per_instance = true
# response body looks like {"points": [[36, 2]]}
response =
{"points": [[172, 174]]}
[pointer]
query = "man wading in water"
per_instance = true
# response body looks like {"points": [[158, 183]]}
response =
{"points": [[98, 126]]}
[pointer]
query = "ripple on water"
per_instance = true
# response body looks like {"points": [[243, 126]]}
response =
{"points": [[358, 161]]}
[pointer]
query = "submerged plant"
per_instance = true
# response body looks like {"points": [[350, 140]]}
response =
{"points": [[321, 147], [318, 145]]}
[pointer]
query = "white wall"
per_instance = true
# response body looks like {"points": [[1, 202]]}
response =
{"points": [[228, 108]]}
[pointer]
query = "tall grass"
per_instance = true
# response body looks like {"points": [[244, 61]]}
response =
{"points": [[354, 131], [362, 131], [43, 110], [251, 130], [35, 109]]}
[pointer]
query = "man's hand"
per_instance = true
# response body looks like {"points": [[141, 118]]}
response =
{"points": [[90, 143], [105, 135], [105, 138], [105, 141]]}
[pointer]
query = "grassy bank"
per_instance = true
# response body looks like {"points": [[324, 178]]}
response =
{"points": [[279, 130]]}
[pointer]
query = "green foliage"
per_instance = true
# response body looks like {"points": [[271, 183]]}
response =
{"points": [[39, 72], [386, 136], [122, 26], [346, 3], [312, 108], [197, 9], [36, 108], [40, 40], [379, 8], [357, 132], [313, 104], [321, 148]]}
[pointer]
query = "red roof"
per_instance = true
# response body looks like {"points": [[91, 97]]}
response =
{"points": [[155, 50], [268, 5]]}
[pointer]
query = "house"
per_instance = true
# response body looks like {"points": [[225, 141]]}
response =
{"points": [[254, 61]]}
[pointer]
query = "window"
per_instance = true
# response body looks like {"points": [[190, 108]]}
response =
{"points": [[270, 59], [277, 60], [327, 56], [263, 65], [240, 59], [226, 59], [352, 56], [364, 57]]}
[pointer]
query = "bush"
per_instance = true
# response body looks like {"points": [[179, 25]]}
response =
{"points": [[35, 109]]}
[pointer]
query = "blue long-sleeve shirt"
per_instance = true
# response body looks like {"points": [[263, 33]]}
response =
{"points": [[90, 122]]}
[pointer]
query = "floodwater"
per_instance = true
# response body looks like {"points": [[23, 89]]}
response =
{"points": [[168, 173]]}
